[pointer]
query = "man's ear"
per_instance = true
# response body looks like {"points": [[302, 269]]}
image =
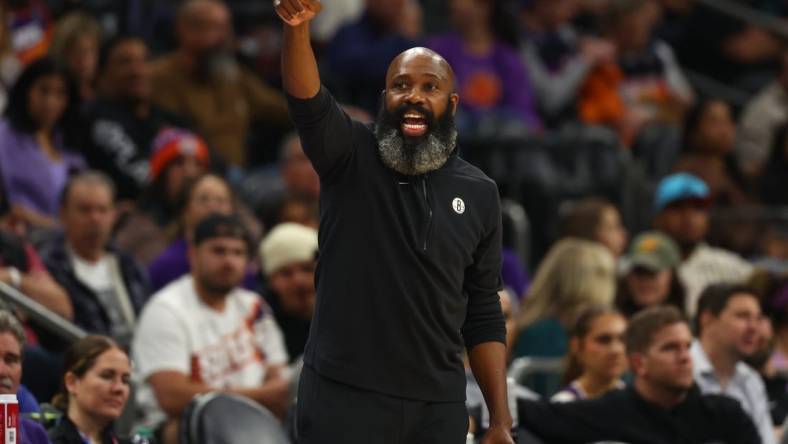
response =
{"points": [[705, 318], [455, 101], [636, 363]]}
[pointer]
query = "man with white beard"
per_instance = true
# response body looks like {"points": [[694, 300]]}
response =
{"points": [[410, 258], [12, 340]]}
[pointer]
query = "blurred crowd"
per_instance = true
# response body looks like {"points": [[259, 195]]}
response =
{"points": [[153, 192]]}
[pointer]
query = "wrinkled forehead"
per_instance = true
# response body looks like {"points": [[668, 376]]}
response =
{"points": [[418, 63]]}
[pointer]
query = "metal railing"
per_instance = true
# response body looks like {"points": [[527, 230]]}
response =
{"points": [[40, 314]]}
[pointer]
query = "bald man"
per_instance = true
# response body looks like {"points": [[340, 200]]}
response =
{"points": [[410, 257], [202, 80]]}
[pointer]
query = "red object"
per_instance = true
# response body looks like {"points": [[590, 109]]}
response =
{"points": [[9, 412]]}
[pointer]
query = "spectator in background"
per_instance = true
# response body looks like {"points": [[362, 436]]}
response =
{"points": [[294, 179], [94, 391], [776, 383], [107, 288], [739, 54], [22, 268], [727, 324], [594, 219], [557, 58], [34, 162], [177, 158], [122, 122], [645, 85], [778, 304], [682, 204], [199, 197], [12, 340], [489, 74], [762, 118], [650, 277], [709, 136], [75, 49], [575, 274], [203, 81], [289, 256], [360, 52], [204, 333], [597, 356], [661, 406], [774, 180]]}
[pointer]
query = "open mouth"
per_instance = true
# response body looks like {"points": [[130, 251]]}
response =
{"points": [[414, 124]]}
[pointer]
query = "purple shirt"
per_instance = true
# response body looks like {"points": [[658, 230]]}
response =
{"points": [[30, 178], [496, 81], [32, 432]]}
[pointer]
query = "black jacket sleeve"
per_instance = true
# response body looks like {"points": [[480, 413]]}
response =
{"points": [[326, 132], [484, 319]]}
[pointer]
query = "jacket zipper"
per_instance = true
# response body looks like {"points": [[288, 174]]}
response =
{"points": [[429, 212]]}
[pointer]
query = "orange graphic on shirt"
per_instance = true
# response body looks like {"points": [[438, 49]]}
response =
{"points": [[483, 90]]}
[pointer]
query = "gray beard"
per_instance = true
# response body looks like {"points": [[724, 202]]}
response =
{"points": [[413, 160]]}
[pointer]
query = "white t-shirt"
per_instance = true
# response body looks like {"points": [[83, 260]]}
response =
{"points": [[104, 278], [230, 349]]}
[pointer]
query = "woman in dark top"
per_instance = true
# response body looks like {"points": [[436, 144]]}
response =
{"points": [[94, 391]]}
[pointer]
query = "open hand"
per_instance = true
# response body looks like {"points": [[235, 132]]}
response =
{"points": [[295, 12]]}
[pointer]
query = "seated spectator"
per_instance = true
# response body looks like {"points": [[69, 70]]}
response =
{"points": [[294, 179], [22, 268], [645, 85], [34, 163], [360, 52], [203, 333], [202, 81], [662, 406], [177, 158], [682, 212], [122, 122], [12, 340], [776, 383], [739, 54], [574, 275], [94, 391], [778, 305], [597, 220], [558, 59], [728, 328], [650, 276], [107, 288], [760, 121], [709, 136], [597, 357], [289, 255], [198, 198], [489, 74], [75, 49], [774, 180]]}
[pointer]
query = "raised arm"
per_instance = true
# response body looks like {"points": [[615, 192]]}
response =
{"points": [[300, 76], [326, 131]]}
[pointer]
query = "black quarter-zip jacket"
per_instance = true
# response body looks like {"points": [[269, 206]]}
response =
{"points": [[409, 266]]}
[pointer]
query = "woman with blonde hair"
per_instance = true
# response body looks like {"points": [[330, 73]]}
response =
{"points": [[75, 48], [574, 275]]}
